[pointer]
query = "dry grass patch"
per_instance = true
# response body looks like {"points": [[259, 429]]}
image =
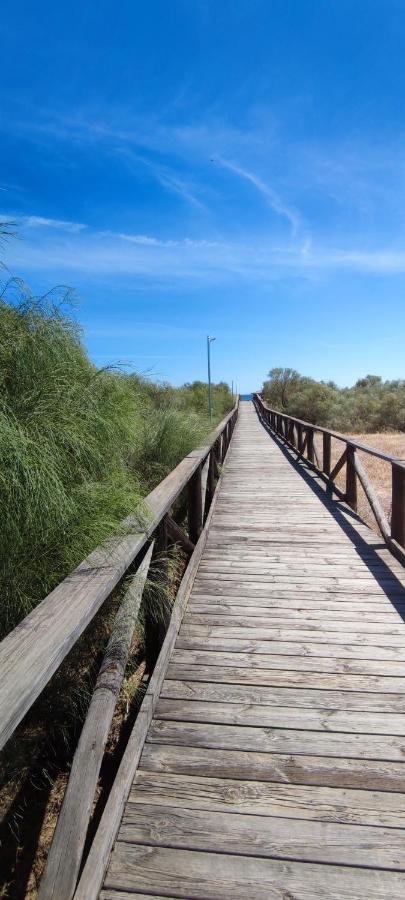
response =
{"points": [[378, 470]]}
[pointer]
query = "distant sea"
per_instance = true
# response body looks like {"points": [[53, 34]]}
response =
{"points": [[246, 396]]}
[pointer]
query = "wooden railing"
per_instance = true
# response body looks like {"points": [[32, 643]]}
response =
{"points": [[300, 436], [31, 654]]}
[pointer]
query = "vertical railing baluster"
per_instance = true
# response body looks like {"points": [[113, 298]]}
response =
{"points": [[351, 478], [310, 445], [195, 506], [210, 481], [326, 440], [155, 628], [398, 503]]}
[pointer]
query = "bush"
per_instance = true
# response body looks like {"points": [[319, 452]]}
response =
{"points": [[79, 446], [370, 405]]}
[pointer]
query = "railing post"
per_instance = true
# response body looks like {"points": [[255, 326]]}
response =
{"points": [[224, 442], [155, 629], [310, 445], [195, 506], [326, 440], [398, 503], [210, 481], [351, 478], [299, 437]]}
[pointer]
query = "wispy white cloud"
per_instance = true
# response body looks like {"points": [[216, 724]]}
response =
{"points": [[271, 196], [146, 240], [152, 259], [58, 224]]}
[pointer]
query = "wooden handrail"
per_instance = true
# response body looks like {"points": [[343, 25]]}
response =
{"points": [[290, 430], [33, 651], [373, 451]]}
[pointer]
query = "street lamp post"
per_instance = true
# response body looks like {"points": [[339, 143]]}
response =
{"points": [[209, 342]]}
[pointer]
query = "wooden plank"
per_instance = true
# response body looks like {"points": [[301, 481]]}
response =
{"points": [[299, 598], [217, 876], [277, 740], [260, 714], [293, 584], [253, 765], [344, 569], [253, 645], [213, 606], [204, 689], [315, 634], [270, 837], [376, 584], [361, 625], [230, 673]]}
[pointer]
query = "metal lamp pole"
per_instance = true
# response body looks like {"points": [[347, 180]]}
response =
{"points": [[209, 341]]}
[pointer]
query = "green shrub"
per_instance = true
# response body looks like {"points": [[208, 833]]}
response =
{"points": [[79, 446], [370, 405]]}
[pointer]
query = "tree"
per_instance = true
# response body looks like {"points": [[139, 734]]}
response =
{"points": [[279, 387]]}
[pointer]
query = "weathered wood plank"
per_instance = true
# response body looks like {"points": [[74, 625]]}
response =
{"points": [[230, 673], [363, 613], [271, 837], [307, 646], [222, 692], [258, 714], [245, 765], [318, 664], [277, 740], [245, 620], [217, 876]]}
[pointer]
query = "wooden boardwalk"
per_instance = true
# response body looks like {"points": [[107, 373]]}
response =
{"points": [[274, 765]]}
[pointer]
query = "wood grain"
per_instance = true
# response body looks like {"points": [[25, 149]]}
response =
{"points": [[274, 764]]}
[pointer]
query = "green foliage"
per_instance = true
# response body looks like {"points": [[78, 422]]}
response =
{"points": [[370, 405], [79, 446]]}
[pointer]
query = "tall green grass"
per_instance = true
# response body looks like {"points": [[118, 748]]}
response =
{"points": [[79, 447]]}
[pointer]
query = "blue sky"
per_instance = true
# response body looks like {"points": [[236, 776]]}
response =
{"points": [[233, 167]]}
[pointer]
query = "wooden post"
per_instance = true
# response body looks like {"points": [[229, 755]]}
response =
{"points": [[299, 438], [225, 441], [310, 445], [398, 503], [155, 630], [195, 506], [292, 433], [326, 439], [351, 478], [210, 480]]}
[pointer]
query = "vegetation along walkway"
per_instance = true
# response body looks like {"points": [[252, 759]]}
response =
{"points": [[273, 766]]}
